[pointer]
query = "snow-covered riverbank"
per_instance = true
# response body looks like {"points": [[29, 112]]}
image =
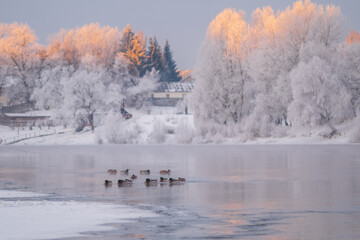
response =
{"points": [[165, 126]]}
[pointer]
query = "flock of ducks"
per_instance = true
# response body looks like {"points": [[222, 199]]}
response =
{"points": [[148, 181]]}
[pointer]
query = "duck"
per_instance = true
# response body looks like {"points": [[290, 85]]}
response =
{"points": [[124, 182], [149, 181], [165, 171], [175, 181], [181, 179], [112, 171], [145, 171], [162, 179], [126, 171], [107, 183], [133, 176]]}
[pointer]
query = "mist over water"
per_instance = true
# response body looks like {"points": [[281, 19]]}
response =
{"points": [[231, 192]]}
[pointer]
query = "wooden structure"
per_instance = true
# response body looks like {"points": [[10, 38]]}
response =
{"points": [[170, 93], [23, 119]]}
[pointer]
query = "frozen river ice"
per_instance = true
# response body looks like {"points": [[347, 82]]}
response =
{"points": [[231, 192]]}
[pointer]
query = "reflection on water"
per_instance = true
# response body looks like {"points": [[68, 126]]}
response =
{"points": [[239, 192]]}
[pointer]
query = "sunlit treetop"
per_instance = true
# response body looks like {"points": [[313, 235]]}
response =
{"points": [[353, 37]]}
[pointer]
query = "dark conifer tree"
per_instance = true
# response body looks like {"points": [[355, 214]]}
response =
{"points": [[126, 39], [155, 58], [170, 72]]}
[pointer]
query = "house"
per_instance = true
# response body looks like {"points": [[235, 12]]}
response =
{"points": [[170, 93], [20, 115], [31, 118]]}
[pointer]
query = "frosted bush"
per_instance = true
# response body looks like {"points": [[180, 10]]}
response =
{"points": [[158, 134], [355, 133], [120, 131], [184, 133], [279, 131]]}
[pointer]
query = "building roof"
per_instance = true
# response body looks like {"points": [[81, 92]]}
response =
{"points": [[30, 114], [174, 87]]}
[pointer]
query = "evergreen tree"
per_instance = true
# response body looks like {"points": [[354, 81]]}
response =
{"points": [[132, 47], [155, 58], [127, 36], [136, 57], [170, 72]]}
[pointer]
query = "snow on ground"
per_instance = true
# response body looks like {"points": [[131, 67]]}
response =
{"points": [[8, 132], [170, 120], [63, 136], [145, 120], [41, 219]]}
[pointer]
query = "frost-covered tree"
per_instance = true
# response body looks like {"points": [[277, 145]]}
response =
{"points": [[20, 60], [99, 42], [320, 98], [3, 75], [85, 94], [349, 70], [353, 37], [244, 70], [314, 81], [282, 41], [139, 95], [49, 91], [62, 47], [118, 84], [170, 72], [219, 93], [268, 68]]}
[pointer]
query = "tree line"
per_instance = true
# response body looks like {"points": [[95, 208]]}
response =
{"points": [[22, 58], [82, 71], [290, 68]]}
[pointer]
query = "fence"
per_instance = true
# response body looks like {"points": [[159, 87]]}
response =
{"points": [[15, 139]]}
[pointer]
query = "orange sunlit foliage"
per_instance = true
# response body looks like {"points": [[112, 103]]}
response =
{"points": [[292, 27], [264, 26], [133, 49], [20, 55], [231, 27], [353, 37], [17, 42], [101, 43]]}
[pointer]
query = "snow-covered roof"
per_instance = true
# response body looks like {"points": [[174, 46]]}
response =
{"points": [[42, 113], [174, 87]]}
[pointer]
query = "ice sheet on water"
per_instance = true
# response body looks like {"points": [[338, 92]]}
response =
{"points": [[19, 194], [59, 219]]}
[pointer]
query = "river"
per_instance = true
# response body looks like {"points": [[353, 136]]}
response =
{"points": [[231, 192]]}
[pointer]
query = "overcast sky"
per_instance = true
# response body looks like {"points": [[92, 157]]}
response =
{"points": [[182, 22]]}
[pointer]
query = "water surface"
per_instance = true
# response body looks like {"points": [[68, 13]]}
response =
{"points": [[232, 192]]}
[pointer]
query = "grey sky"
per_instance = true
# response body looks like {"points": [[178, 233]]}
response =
{"points": [[182, 22]]}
